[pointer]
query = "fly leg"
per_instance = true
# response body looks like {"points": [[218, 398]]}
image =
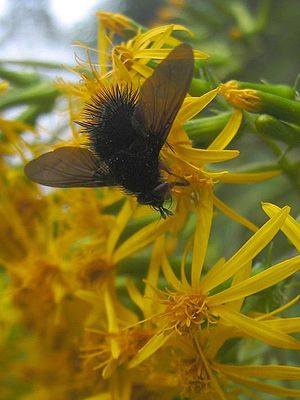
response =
{"points": [[182, 182]]}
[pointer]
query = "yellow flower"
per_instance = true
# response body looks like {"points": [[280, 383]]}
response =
{"points": [[246, 99], [198, 317], [14, 143], [61, 252], [275, 101], [132, 62], [65, 254], [193, 164], [115, 23]]}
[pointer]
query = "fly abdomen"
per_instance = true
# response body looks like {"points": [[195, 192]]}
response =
{"points": [[135, 172]]}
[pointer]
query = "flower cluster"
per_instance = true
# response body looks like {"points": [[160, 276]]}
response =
{"points": [[101, 299]]}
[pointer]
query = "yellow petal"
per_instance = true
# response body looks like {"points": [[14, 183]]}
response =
{"points": [[155, 343], [193, 105], [112, 323], [152, 276], [120, 223], [214, 176], [203, 156], [234, 215], [152, 34], [286, 325], [89, 297], [186, 251], [259, 282], [263, 371], [110, 368], [100, 396], [115, 22], [256, 329], [141, 69], [228, 132], [170, 276], [249, 177], [200, 55], [125, 315], [118, 66], [140, 239], [240, 276], [155, 262], [246, 253], [134, 293], [103, 45], [261, 386], [291, 228], [161, 40], [202, 233], [161, 54]]}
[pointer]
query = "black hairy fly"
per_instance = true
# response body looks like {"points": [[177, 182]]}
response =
{"points": [[126, 131]]}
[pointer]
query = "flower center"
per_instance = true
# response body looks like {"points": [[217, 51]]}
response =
{"points": [[93, 271], [186, 311]]}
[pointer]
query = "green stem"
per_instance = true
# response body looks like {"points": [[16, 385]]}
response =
{"points": [[17, 78], [42, 93]]}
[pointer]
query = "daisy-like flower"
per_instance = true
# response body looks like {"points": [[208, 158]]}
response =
{"points": [[131, 63], [62, 252], [196, 318]]}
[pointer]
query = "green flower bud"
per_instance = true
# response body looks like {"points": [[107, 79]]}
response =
{"points": [[260, 102], [272, 127]]}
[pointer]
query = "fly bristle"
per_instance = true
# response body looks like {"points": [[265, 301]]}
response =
{"points": [[107, 119]]}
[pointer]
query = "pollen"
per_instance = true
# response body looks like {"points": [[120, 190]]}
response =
{"points": [[246, 99], [186, 311]]}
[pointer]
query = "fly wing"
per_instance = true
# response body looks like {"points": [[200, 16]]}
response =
{"points": [[69, 167], [162, 94]]}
